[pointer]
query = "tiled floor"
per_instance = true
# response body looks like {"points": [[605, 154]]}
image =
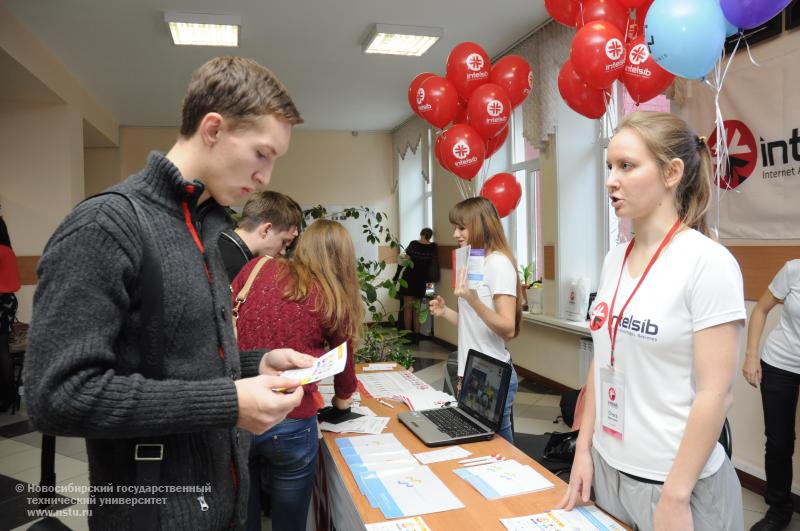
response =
{"points": [[535, 410]]}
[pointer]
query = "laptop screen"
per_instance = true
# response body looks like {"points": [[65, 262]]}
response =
{"points": [[485, 387]]}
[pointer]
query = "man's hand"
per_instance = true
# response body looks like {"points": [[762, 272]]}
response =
{"points": [[282, 359], [672, 514], [260, 407]]}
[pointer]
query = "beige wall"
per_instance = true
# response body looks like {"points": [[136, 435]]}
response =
{"points": [[135, 143], [41, 177], [102, 169]]}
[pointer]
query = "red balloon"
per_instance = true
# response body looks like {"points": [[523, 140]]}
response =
{"points": [[437, 151], [437, 101], [514, 74], [644, 79], [461, 113], [503, 191], [463, 151], [413, 87], [489, 110], [580, 97], [494, 144], [468, 68], [632, 4], [564, 11], [636, 25], [607, 10], [598, 54]]}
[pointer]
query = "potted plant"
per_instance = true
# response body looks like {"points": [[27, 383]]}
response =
{"points": [[532, 292]]}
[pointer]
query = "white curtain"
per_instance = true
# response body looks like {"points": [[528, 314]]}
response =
{"points": [[409, 136]]}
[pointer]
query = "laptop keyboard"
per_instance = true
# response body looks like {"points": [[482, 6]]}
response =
{"points": [[452, 423]]}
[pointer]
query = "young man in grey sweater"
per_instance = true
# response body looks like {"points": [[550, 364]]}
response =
{"points": [[165, 452]]}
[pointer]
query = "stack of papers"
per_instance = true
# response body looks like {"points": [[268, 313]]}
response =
{"points": [[578, 519], [366, 424], [392, 384], [504, 478], [427, 399], [392, 480]]}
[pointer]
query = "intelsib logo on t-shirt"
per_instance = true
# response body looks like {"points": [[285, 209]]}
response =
{"points": [[644, 328]]}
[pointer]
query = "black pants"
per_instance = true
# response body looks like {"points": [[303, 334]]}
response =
{"points": [[779, 390]]}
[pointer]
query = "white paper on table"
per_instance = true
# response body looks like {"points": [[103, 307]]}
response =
{"points": [[379, 367], [418, 491], [329, 364], [363, 410], [504, 478], [445, 454], [427, 399], [406, 524], [391, 384], [366, 424], [384, 439], [579, 519]]}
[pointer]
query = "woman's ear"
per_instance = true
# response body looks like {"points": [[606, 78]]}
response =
{"points": [[674, 173]]}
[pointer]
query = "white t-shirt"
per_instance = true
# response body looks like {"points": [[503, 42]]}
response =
{"points": [[499, 278], [782, 348], [694, 284]]}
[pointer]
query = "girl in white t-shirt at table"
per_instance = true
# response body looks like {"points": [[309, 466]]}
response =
{"points": [[489, 316], [778, 372], [666, 327]]}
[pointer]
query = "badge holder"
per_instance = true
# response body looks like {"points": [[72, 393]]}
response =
{"points": [[612, 409]]}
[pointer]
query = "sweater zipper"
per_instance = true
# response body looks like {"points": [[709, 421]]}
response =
{"points": [[187, 216]]}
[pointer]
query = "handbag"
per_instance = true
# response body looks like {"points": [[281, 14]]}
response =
{"points": [[241, 297], [18, 339], [561, 447]]}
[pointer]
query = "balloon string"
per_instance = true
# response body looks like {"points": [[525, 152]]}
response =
{"points": [[749, 53]]}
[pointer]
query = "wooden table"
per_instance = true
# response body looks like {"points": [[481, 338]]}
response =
{"points": [[349, 509]]}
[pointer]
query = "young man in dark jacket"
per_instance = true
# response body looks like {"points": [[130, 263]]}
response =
{"points": [[269, 225], [85, 371]]}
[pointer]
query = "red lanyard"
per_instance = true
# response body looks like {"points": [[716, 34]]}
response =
{"points": [[664, 242]]}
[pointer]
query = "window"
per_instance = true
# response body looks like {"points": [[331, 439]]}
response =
{"points": [[412, 196], [523, 225]]}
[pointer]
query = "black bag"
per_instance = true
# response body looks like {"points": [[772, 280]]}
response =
{"points": [[561, 447], [568, 402]]}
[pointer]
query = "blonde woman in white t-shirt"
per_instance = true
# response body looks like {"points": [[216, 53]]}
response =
{"points": [[489, 316], [666, 327], [778, 372]]}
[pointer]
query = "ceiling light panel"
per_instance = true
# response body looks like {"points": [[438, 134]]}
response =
{"points": [[200, 29], [401, 40]]}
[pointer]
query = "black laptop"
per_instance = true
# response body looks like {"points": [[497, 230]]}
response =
{"points": [[480, 406]]}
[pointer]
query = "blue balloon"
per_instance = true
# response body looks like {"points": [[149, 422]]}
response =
{"points": [[685, 37], [730, 29], [749, 14]]}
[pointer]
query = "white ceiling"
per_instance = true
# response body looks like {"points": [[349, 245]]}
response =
{"points": [[122, 52]]}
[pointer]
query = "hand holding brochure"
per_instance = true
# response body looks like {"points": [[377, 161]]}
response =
{"points": [[472, 260], [328, 364]]}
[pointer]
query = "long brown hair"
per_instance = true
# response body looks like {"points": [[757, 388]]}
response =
{"points": [[479, 216], [325, 257], [668, 137]]}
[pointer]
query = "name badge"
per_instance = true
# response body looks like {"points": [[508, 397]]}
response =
{"points": [[612, 397]]}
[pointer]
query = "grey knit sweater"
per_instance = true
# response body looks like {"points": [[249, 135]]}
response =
{"points": [[84, 351]]}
